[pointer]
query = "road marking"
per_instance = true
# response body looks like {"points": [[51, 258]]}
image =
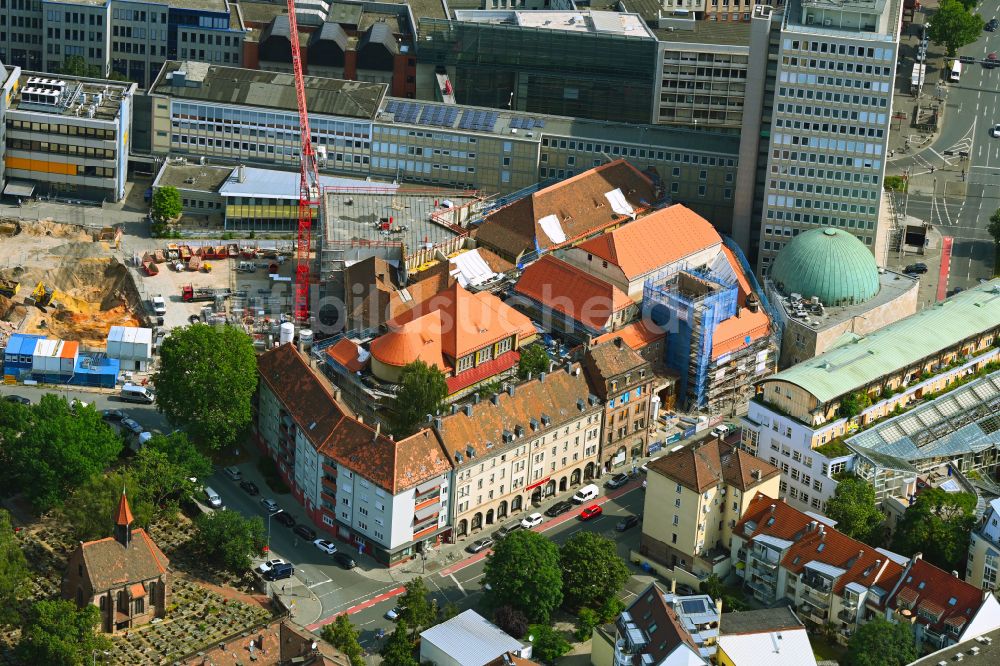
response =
{"points": [[322, 582], [458, 585]]}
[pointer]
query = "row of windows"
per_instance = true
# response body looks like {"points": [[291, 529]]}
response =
{"points": [[98, 172], [794, 202], [835, 97], [809, 188], [220, 40], [713, 72], [822, 174], [393, 149], [883, 54], [217, 56], [276, 135], [68, 130], [288, 121], [60, 149], [807, 218], [686, 158], [246, 146], [830, 128], [452, 138], [838, 160], [78, 18]]}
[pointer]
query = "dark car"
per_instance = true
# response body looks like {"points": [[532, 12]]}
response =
{"points": [[113, 415], [916, 268], [17, 398], [132, 426], [285, 519], [627, 523], [558, 509], [344, 560], [306, 532], [250, 487], [279, 572], [992, 25], [479, 545], [507, 529], [617, 481]]}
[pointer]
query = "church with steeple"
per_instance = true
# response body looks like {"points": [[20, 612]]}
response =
{"points": [[126, 575]]}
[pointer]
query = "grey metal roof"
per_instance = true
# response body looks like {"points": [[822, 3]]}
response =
{"points": [[330, 32], [379, 33], [470, 639], [272, 90], [274, 184], [963, 421], [826, 569], [758, 621], [278, 27]]}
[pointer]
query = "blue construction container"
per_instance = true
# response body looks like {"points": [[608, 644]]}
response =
{"points": [[95, 370], [17, 355]]}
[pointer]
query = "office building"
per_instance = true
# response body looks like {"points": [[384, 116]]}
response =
{"points": [[984, 549], [829, 121], [801, 416], [65, 136], [824, 284], [697, 495]]}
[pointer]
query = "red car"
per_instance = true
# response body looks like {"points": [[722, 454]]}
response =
{"points": [[591, 512]]}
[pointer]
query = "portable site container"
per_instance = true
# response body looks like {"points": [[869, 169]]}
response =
{"points": [[41, 363], [132, 346], [68, 357], [95, 370], [18, 356]]}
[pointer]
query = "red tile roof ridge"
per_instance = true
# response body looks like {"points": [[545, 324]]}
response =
{"points": [[636, 335], [939, 588]]}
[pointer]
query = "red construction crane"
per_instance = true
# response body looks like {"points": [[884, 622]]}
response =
{"points": [[309, 190]]}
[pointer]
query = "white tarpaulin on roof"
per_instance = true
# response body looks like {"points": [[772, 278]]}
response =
{"points": [[619, 203], [470, 269], [553, 229]]}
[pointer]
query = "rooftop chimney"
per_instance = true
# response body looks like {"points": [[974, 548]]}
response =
{"points": [[437, 423], [755, 474], [495, 398], [475, 398], [510, 390], [619, 342]]}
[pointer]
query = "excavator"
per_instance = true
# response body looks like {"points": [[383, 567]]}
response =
{"points": [[43, 295]]}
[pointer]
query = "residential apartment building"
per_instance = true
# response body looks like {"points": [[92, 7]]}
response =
{"points": [[829, 125], [697, 495], [796, 421], [984, 550], [389, 499], [776, 632], [511, 450], [65, 136], [623, 380], [782, 553]]}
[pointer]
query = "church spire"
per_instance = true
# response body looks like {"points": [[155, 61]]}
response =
{"points": [[123, 522]]}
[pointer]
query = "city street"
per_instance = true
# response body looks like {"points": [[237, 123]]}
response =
{"points": [[957, 195]]}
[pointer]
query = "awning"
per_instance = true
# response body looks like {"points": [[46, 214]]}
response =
{"points": [[535, 485], [19, 188]]}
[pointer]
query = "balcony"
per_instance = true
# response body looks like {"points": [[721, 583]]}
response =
{"points": [[812, 613], [848, 615], [814, 599], [818, 585]]}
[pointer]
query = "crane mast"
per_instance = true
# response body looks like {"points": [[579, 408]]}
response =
{"points": [[309, 190]]}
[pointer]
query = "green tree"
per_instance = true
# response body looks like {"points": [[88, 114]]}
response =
{"points": [[586, 620], [418, 612], [952, 26], [58, 450], [592, 570], [854, 403], [91, 513], [164, 466], [610, 610], [422, 391], [882, 643], [166, 204], [343, 636], [229, 540], [534, 360], [14, 572], [448, 611], [77, 66], [523, 572], [937, 524], [994, 231], [56, 633], [853, 507], [547, 643], [398, 650], [206, 380]]}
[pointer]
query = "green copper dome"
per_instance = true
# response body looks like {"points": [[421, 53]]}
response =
{"points": [[828, 263]]}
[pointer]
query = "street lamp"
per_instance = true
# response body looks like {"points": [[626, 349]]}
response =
{"points": [[269, 516]]}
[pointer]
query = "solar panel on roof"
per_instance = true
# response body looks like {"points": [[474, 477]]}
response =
{"points": [[540, 123], [391, 107], [426, 115]]}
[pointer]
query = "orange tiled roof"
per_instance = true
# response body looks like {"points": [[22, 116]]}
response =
{"points": [[732, 334], [636, 335], [631, 247], [124, 515], [449, 325], [579, 204], [926, 587], [394, 466], [346, 353], [706, 466], [741, 279], [109, 564], [570, 291]]}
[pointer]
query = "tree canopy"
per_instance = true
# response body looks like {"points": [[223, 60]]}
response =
{"points": [[547, 644], [344, 636], [91, 513], [953, 26], [50, 448], [206, 380], [592, 570], [166, 204], [853, 507], [534, 360], [58, 634], [417, 610], [422, 391], [398, 650], [523, 572], [229, 540], [77, 66], [937, 524], [14, 573], [882, 643], [164, 466]]}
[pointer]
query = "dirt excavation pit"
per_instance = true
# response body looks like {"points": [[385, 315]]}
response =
{"points": [[93, 290]]}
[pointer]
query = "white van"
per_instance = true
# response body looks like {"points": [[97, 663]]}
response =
{"points": [[136, 393], [956, 71], [585, 494], [213, 498]]}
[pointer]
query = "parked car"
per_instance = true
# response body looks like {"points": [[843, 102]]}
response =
{"points": [[250, 487], [720, 430], [992, 25], [558, 509], [269, 504], [533, 520], [17, 398], [393, 613], [991, 61], [592, 511], [131, 426], [233, 472], [507, 529], [285, 519], [919, 267], [326, 546], [264, 567], [113, 415], [280, 572], [995, 132], [344, 560], [306, 532], [627, 523], [479, 545], [616, 481]]}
